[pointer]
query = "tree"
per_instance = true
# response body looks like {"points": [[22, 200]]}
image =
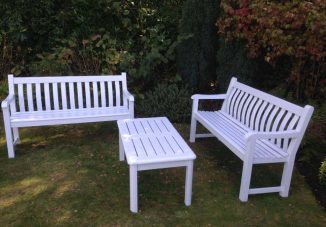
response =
{"points": [[196, 54]]}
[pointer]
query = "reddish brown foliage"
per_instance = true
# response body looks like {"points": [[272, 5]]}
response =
{"points": [[273, 29]]}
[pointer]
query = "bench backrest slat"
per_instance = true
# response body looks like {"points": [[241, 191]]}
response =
{"points": [[30, 97], [55, 96], [21, 98], [110, 92], [67, 92], [88, 95], [64, 96]]}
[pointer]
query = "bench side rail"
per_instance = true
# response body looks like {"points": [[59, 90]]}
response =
{"points": [[68, 92], [262, 112]]}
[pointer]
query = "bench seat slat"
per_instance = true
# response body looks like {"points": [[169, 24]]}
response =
{"points": [[19, 118], [234, 132]]}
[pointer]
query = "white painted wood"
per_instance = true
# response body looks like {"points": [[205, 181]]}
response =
{"points": [[258, 128], [21, 98], [103, 95], [153, 143], [88, 95], [133, 188], [30, 97], [110, 93], [38, 97], [55, 96], [117, 93], [80, 95], [95, 95], [72, 95], [57, 109], [64, 96], [47, 96]]}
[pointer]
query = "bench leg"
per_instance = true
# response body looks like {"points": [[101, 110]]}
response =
{"points": [[188, 186], [121, 150], [245, 181], [133, 188], [286, 178], [193, 129], [8, 130], [16, 135]]}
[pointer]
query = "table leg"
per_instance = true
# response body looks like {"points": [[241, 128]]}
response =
{"points": [[121, 150], [133, 188], [188, 186]]}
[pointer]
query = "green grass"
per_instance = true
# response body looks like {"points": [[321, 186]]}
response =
{"points": [[70, 175]]}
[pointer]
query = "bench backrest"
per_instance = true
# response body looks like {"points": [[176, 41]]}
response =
{"points": [[67, 92], [265, 113]]}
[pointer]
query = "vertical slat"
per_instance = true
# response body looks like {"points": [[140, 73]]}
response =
{"points": [[245, 108], [271, 118], [241, 105], [228, 107], [11, 87], [282, 128], [124, 87], [21, 98], [63, 95], [248, 112], [277, 120], [233, 103], [103, 98], [80, 95], [95, 94], [72, 96], [55, 96], [117, 93], [88, 96], [38, 97], [259, 115], [237, 105], [254, 114], [30, 97], [47, 96], [264, 118], [110, 93], [291, 126]]}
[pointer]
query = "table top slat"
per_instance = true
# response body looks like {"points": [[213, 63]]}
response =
{"points": [[152, 140]]}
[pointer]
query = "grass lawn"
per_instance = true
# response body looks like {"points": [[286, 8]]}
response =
{"points": [[71, 175]]}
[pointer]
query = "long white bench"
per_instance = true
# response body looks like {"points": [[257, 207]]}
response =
{"points": [[258, 128], [39, 101]]}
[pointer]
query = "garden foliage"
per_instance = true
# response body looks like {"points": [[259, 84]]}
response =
{"points": [[91, 37], [197, 53], [167, 100], [276, 29]]}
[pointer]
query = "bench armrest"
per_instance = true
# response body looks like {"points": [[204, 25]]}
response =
{"points": [[199, 96], [129, 96], [251, 136], [5, 103]]}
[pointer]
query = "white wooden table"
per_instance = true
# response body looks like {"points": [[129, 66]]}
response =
{"points": [[153, 143]]}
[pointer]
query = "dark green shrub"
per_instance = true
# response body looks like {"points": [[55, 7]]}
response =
{"points": [[166, 100], [322, 173], [196, 55]]}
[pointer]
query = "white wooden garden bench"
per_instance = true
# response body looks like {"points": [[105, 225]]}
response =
{"points": [[153, 143], [40, 101], [258, 128]]}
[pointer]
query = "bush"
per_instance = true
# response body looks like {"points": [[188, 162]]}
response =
{"points": [[167, 100], [322, 173]]}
